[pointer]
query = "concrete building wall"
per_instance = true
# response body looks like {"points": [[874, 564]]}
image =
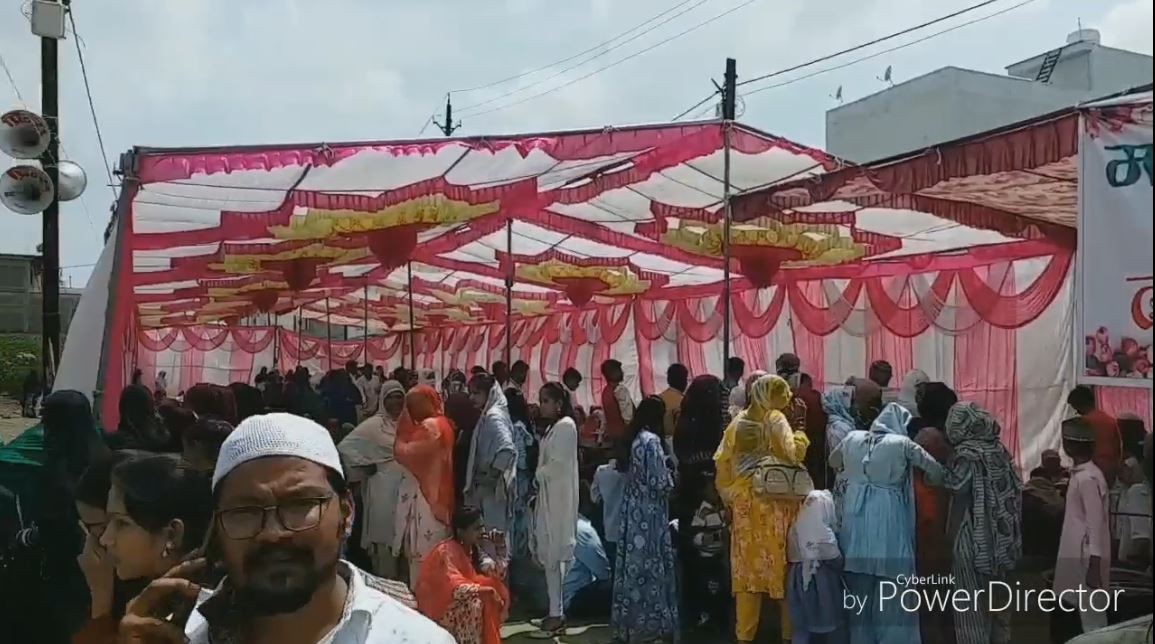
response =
{"points": [[944, 105], [951, 103]]}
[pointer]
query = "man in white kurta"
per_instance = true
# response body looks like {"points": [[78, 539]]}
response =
{"points": [[555, 516]]}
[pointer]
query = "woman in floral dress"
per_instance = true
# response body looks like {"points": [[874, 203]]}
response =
{"points": [[424, 447], [645, 582]]}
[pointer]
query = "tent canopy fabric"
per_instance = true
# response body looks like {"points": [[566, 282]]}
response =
{"points": [[569, 219]]}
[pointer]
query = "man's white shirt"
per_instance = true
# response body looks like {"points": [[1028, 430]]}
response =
{"points": [[373, 615]]}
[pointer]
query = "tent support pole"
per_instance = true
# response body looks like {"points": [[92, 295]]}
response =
{"points": [[276, 341], [365, 330], [412, 331], [328, 334], [728, 114], [300, 333], [509, 292]]}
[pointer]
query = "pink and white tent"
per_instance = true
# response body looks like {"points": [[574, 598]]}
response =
{"points": [[956, 261]]}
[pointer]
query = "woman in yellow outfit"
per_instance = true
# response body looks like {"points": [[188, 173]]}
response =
{"points": [[759, 524]]}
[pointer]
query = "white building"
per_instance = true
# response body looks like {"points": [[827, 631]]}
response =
{"points": [[952, 103]]}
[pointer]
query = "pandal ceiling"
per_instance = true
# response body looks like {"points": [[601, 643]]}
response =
{"points": [[577, 218]]}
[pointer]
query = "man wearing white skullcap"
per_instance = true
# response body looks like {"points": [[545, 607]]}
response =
{"points": [[283, 511]]}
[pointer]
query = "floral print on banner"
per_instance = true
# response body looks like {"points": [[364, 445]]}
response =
{"points": [[645, 583]]}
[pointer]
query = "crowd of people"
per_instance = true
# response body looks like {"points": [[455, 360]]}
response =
{"points": [[369, 507]]}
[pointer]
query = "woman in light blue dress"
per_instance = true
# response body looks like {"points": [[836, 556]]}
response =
{"points": [[838, 402], [877, 533]]}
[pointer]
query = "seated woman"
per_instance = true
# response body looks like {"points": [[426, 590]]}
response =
{"points": [[462, 588]]}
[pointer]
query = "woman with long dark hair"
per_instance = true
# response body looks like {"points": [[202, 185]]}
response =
{"points": [[556, 512], [139, 427], [43, 595], [158, 511], [645, 604]]}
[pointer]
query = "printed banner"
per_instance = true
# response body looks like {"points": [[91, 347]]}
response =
{"points": [[1114, 252]]}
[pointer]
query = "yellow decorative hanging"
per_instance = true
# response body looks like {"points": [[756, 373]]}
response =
{"points": [[431, 210], [815, 244], [531, 308], [618, 280]]}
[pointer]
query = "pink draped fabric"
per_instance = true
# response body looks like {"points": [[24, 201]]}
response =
{"points": [[1126, 400], [985, 372], [192, 368], [883, 343], [241, 366]]}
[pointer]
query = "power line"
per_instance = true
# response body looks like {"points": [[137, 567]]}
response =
{"points": [[565, 70], [695, 106], [91, 103], [12, 81], [890, 50], [872, 42], [577, 55], [428, 122], [846, 51], [619, 61]]}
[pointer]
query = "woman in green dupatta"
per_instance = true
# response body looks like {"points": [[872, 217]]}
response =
{"points": [[43, 594]]}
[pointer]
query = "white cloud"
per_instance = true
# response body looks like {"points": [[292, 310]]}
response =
{"points": [[1128, 26]]}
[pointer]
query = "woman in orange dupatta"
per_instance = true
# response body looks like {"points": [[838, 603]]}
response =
{"points": [[424, 447], [462, 588]]}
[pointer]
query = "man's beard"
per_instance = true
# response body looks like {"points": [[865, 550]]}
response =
{"points": [[281, 579]]}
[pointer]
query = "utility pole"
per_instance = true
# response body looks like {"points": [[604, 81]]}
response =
{"points": [[729, 111], [449, 127], [50, 229]]}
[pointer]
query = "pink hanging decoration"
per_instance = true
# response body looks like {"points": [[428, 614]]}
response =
{"points": [[393, 246], [580, 290], [759, 264], [299, 273], [265, 300]]}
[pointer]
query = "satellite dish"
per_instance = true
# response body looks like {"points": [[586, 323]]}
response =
{"points": [[72, 180], [25, 189], [23, 134]]}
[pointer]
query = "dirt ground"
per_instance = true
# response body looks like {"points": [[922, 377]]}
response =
{"points": [[11, 422]]}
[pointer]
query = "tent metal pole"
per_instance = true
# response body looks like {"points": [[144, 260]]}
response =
{"points": [[328, 334], [729, 99], [412, 330], [365, 330], [300, 333], [509, 292], [276, 331]]}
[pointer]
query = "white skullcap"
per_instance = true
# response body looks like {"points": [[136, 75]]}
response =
{"points": [[276, 435]]}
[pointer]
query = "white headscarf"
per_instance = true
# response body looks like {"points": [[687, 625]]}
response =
{"points": [[814, 533], [371, 442], [908, 395]]}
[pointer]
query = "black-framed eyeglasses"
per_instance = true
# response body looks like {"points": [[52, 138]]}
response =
{"points": [[294, 515]]}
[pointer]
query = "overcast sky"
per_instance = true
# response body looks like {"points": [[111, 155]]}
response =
{"points": [[218, 72]]}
